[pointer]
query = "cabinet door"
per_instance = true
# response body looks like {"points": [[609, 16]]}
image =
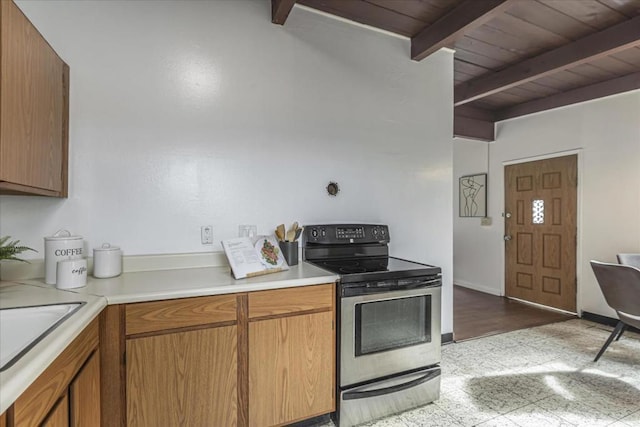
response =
{"points": [[291, 368], [33, 104], [183, 378], [36, 402], [59, 415], [85, 394]]}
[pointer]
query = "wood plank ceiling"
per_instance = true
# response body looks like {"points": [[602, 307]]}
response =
{"points": [[512, 57]]}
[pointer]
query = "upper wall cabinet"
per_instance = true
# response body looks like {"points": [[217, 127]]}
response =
{"points": [[34, 109]]}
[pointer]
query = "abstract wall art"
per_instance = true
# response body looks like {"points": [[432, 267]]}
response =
{"points": [[473, 195]]}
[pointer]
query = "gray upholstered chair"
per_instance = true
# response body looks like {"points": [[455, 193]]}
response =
{"points": [[629, 259], [620, 285]]}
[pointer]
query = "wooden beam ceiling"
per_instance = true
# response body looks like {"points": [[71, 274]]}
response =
{"points": [[582, 94], [280, 10], [452, 26], [466, 127], [524, 56], [589, 48], [474, 123]]}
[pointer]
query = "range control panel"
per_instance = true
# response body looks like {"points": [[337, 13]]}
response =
{"points": [[350, 232], [346, 233]]}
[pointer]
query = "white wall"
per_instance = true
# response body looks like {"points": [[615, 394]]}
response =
{"points": [[192, 113], [469, 237], [607, 134]]}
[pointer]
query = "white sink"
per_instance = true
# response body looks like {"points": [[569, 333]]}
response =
{"points": [[21, 328]]}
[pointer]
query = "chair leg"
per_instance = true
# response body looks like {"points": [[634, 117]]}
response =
{"points": [[624, 328], [615, 332]]}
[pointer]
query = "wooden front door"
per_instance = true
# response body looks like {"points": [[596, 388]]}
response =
{"points": [[540, 231]]}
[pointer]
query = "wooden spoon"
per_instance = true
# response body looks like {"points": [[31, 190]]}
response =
{"points": [[291, 233], [280, 232]]}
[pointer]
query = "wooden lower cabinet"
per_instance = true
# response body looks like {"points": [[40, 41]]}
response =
{"points": [[84, 394], [67, 393], [291, 369], [59, 415], [254, 359], [183, 378]]}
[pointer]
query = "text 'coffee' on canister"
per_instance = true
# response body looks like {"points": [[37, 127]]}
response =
{"points": [[61, 246]]}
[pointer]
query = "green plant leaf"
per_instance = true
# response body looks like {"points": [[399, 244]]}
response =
{"points": [[9, 249]]}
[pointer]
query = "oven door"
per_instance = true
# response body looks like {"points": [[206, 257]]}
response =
{"points": [[388, 333]]}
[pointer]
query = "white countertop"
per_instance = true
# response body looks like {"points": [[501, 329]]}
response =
{"points": [[193, 282], [17, 378], [126, 288]]}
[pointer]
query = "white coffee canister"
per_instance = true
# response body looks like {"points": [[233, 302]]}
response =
{"points": [[71, 273], [61, 246], [107, 261]]}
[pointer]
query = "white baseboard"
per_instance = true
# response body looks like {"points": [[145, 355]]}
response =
{"points": [[478, 288]]}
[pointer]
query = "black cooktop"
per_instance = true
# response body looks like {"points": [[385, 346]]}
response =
{"points": [[383, 268], [358, 253]]}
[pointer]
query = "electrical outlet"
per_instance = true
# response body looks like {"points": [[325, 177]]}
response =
{"points": [[485, 221], [206, 234]]}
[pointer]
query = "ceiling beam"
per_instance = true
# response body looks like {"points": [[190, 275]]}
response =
{"points": [[445, 31], [280, 10], [586, 93], [470, 128], [589, 48], [474, 123], [475, 113]]}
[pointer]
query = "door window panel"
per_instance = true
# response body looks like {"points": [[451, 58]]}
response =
{"points": [[538, 211]]}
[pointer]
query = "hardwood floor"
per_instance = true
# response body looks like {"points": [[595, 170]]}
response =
{"points": [[477, 314]]}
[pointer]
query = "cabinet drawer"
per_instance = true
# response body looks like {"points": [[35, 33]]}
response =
{"points": [[172, 314], [290, 300]]}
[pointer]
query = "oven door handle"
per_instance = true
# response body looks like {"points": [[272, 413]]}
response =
{"points": [[422, 284], [352, 395], [410, 285], [431, 282]]}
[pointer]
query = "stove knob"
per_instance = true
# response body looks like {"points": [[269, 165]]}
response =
{"points": [[375, 231], [324, 232], [314, 232]]}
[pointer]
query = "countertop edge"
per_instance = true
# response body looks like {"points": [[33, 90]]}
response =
{"points": [[20, 376], [219, 290]]}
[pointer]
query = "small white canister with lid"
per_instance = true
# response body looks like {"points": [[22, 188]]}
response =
{"points": [[107, 261], [61, 246], [71, 273]]}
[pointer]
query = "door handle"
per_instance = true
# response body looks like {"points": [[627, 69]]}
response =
{"points": [[507, 237]]}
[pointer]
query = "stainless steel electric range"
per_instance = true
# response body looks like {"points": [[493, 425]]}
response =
{"points": [[389, 321]]}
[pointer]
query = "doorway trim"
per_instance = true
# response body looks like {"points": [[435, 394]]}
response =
{"points": [[579, 255]]}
